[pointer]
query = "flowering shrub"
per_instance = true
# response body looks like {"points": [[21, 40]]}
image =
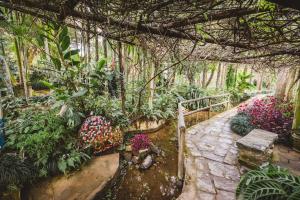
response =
{"points": [[97, 132], [140, 141], [272, 115]]}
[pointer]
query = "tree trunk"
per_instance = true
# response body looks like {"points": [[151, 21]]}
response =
{"points": [[20, 65], [47, 50], [218, 75], [96, 47], [293, 76], [152, 85], [260, 82], [296, 122], [204, 76], [210, 78], [281, 84], [6, 72], [25, 63], [122, 85], [88, 42]]}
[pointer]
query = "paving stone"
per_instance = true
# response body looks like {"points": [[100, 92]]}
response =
{"points": [[230, 158], [224, 184], [205, 183], [212, 156], [225, 140], [205, 196], [221, 151], [224, 195], [203, 146]]}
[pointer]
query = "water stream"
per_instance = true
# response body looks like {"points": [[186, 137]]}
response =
{"points": [[159, 182]]}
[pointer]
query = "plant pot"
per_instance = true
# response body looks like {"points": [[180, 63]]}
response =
{"points": [[296, 140]]}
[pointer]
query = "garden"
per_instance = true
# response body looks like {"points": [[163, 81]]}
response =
{"points": [[119, 88]]}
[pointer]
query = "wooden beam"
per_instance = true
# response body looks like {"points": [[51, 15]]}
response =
{"points": [[295, 4]]}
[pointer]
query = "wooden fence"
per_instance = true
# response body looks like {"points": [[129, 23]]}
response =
{"points": [[184, 109]]}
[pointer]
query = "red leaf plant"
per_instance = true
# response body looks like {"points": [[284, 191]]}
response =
{"points": [[271, 114], [140, 141]]}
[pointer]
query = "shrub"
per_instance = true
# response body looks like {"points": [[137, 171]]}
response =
{"points": [[269, 182], [272, 115], [97, 132], [241, 124], [140, 141], [14, 172], [47, 140]]}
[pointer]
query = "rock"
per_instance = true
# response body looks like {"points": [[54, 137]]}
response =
{"points": [[143, 153], [147, 162], [155, 149], [256, 148], [127, 156], [135, 160], [83, 184]]}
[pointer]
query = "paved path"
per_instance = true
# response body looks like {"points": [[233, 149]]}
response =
{"points": [[212, 170]]}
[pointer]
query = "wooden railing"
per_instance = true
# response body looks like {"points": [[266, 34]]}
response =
{"points": [[198, 105]]}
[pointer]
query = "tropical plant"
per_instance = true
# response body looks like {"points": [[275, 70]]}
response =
{"points": [[269, 182], [243, 83], [241, 124], [47, 140]]}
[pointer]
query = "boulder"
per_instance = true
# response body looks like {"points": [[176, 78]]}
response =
{"points": [[147, 162], [256, 148], [84, 184]]}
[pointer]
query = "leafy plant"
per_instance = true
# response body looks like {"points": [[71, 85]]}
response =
{"points": [[243, 82], [269, 182], [241, 124], [140, 141], [47, 140], [108, 107]]}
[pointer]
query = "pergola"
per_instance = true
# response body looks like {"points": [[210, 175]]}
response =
{"points": [[241, 31]]}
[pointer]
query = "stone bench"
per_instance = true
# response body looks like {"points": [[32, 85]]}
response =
{"points": [[256, 148]]}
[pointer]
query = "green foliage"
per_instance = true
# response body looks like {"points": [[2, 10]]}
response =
{"points": [[47, 140], [164, 107], [241, 124], [230, 78], [269, 182], [108, 107], [15, 172], [99, 76], [243, 82]]}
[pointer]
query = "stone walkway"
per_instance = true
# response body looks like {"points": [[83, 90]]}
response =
{"points": [[212, 170]]}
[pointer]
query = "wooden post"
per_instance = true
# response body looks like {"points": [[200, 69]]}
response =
{"points": [[181, 142], [228, 101], [209, 104]]}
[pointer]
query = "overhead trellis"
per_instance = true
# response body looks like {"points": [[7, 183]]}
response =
{"points": [[248, 30]]}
